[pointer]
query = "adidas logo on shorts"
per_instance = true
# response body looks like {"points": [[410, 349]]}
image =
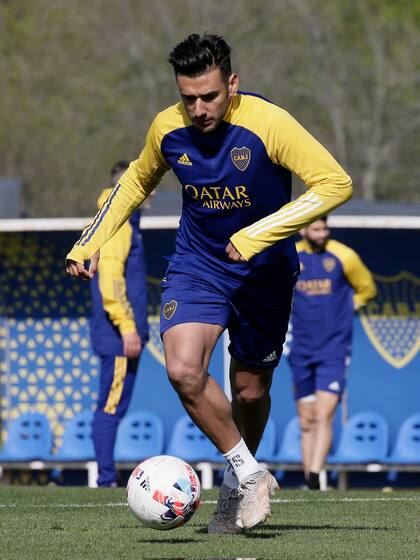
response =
{"points": [[334, 386]]}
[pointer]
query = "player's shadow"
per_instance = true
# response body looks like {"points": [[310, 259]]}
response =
{"points": [[168, 541], [272, 531]]}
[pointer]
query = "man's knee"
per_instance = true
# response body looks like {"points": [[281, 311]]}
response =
{"points": [[307, 422], [307, 417], [252, 394], [188, 379], [324, 417]]}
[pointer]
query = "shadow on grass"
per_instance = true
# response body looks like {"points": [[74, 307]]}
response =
{"points": [[168, 541], [272, 531]]}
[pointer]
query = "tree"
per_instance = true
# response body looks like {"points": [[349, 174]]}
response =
{"points": [[82, 81]]}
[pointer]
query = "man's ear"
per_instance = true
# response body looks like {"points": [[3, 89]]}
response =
{"points": [[233, 83]]}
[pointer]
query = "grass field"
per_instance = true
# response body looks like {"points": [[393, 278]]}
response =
{"points": [[61, 523]]}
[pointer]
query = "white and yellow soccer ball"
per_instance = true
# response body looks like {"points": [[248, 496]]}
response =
{"points": [[163, 492]]}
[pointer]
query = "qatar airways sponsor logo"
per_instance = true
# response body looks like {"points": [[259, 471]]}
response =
{"points": [[219, 198], [315, 286]]}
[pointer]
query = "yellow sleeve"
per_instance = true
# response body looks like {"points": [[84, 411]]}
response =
{"points": [[134, 187], [361, 280], [356, 273], [111, 280], [291, 146]]}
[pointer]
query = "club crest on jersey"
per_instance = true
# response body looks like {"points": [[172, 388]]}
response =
{"points": [[392, 319], [169, 309], [329, 264], [241, 157]]}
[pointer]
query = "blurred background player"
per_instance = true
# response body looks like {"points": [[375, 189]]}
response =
{"points": [[118, 330], [333, 282]]}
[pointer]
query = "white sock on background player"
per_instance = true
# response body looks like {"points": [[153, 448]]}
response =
{"points": [[242, 461]]}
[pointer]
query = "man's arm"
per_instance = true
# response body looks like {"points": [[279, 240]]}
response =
{"points": [[328, 187], [359, 278], [133, 188], [112, 286]]}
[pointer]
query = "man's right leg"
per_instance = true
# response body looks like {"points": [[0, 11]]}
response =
{"points": [[303, 373], [325, 406], [306, 411], [188, 348]]}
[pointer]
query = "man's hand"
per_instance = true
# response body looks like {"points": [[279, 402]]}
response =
{"points": [[78, 270], [131, 345], [233, 254]]}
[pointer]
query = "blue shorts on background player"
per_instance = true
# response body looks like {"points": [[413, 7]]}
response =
{"points": [[118, 330], [333, 283]]}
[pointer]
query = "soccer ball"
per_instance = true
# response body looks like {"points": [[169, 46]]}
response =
{"points": [[163, 492]]}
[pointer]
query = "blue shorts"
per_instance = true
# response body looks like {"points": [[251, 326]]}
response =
{"points": [[322, 375], [256, 316]]}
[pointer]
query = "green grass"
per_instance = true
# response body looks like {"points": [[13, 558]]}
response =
{"points": [[61, 523]]}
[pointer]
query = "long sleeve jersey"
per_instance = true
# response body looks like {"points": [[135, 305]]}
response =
{"points": [[119, 290], [236, 184], [332, 283]]}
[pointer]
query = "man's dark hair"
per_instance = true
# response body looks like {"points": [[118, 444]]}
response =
{"points": [[197, 54], [119, 166]]}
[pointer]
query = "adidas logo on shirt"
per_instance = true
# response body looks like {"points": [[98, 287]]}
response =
{"points": [[185, 160], [334, 386], [271, 357]]}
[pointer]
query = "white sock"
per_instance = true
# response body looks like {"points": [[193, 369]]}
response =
{"points": [[230, 478], [242, 462]]}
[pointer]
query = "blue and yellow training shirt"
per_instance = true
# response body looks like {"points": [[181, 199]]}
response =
{"points": [[332, 284], [236, 184], [119, 290]]}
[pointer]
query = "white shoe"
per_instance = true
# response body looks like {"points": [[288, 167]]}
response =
{"points": [[255, 492], [225, 517]]}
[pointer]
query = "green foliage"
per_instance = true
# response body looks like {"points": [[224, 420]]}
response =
{"points": [[81, 82]]}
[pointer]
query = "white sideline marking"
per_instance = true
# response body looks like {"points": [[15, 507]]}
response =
{"points": [[278, 501]]}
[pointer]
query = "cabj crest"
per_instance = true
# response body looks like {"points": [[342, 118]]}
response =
{"points": [[392, 320], [241, 157]]}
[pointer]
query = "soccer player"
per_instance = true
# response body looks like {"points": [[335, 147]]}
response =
{"points": [[333, 283], [118, 330], [235, 264]]}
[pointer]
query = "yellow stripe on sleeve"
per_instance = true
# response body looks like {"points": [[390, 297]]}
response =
{"points": [[134, 187], [290, 145]]}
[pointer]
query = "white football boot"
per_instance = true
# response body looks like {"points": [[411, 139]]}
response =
{"points": [[254, 504], [225, 517]]}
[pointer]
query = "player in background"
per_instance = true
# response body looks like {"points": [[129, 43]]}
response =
{"points": [[333, 283], [118, 330], [235, 264]]}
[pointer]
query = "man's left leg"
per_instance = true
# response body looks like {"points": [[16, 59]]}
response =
{"points": [[251, 404], [251, 401], [257, 334]]}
